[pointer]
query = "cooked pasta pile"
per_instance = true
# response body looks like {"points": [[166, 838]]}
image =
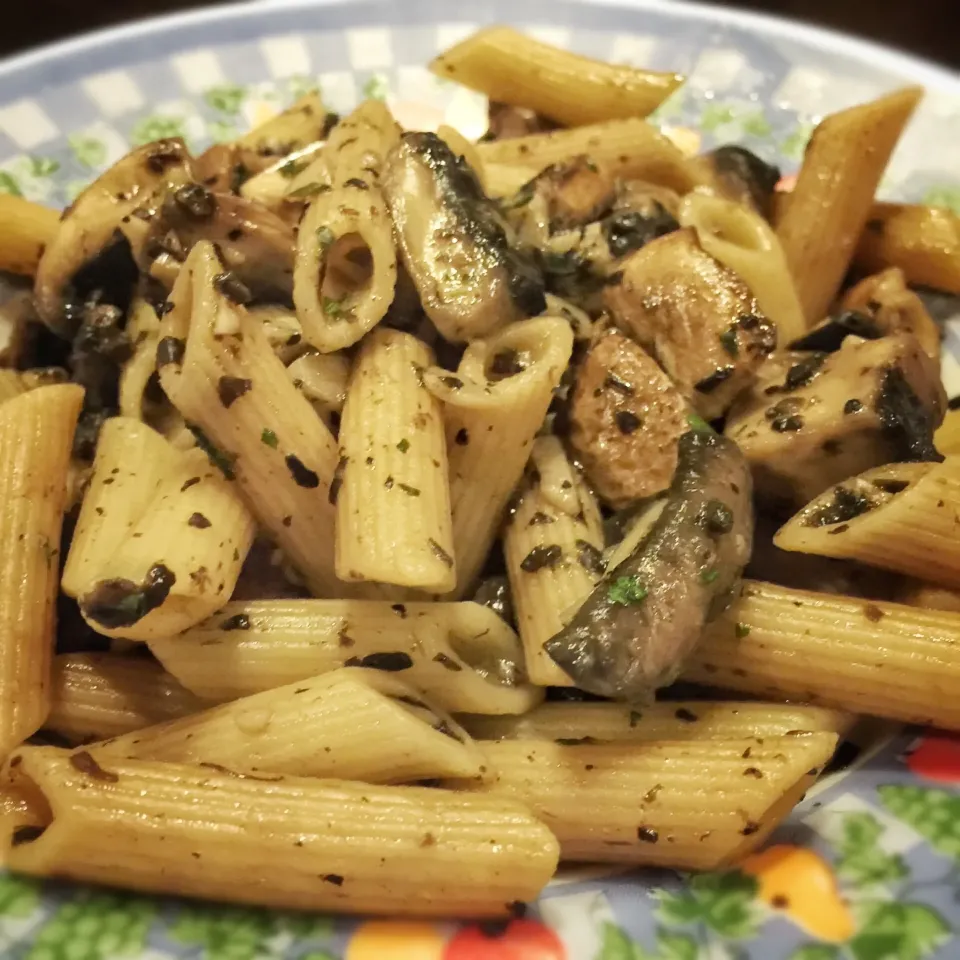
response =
{"points": [[364, 494]]}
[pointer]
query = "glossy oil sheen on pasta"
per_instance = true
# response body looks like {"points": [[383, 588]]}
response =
{"points": [[404, 474]]}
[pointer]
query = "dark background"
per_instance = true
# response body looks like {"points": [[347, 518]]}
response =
{"points": [[925, 27]]}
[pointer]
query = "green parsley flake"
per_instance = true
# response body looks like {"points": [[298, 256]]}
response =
{"points": [[404, 445], [334, 308], [324, 237], [627, 591], [742, 630], [697, 423], [269, 438], [709, 575]]}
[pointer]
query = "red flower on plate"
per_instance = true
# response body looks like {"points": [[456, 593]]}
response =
{"points": [[518, 940]]}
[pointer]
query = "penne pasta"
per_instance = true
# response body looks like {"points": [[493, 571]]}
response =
{"points": [[131, 463], [743, 241], [179, 562], [286, 842], [461, 655], [502, 180], [393, 499], [301, 124], [491, 421], [27, 230], [554, 556], [831, 202], [257, 426], [947, 437], [695, 720], [696, 805], [269, 187], [629, 149], [900, 517], [916, 593], [872, 657], [100, 695], [36, 436], [351, 724], [924, 242], [570, 89], [322, 378], [346, 266]]}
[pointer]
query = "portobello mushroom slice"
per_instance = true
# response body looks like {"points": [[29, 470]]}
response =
{"points": [[742, 176], [459, 251], [625, 420], [641, 622], [830, 416], [99, 231], [256, 245], [696, 316], [890, 304]]}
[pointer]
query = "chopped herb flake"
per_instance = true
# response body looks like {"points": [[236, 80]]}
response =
{"points": [[404, 445], [269, 438], [324, 237], [742, 630], [709, 575], [291, 168], [627, 591]]}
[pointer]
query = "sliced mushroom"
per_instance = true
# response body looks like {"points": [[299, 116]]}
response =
{"points": [[644, 618], [101, 229], [741, 175], [887, 300], [255, 244], [626, 419], [811, 423], [696, 316], [456, 246], [506, 121]]}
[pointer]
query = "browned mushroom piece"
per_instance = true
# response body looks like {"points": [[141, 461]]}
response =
{"points": [[257, 246], [887, 300], [696, 317], [471, 274], [104, 227], [506, 121], [815, 419], [626, 418], [742, 176]]}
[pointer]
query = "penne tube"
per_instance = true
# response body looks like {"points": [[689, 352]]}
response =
{"points": [[462, 147], [872, 657], [924, 242], [460, 655], [269, 187], [13, 383], [831, 203], [36, 437], [227, 382], [393, 502], [351, 724], [503, 179], [743, 241], [301, 124], [27, 230], [900, 517], [491, 421], [566, 87], [947, 436], [283, 842], [100, 695], [696, 805], [179, 562], [346, 265], [131, 462], [628, 149], [675, 720], [554, 557]]}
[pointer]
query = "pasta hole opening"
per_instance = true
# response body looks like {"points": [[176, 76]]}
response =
{"points": [[486, 661], [27, 812], [349, 269], [735, 230]]}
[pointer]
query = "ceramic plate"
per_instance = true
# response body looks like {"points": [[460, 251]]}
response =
{"points": [[868, 867]]}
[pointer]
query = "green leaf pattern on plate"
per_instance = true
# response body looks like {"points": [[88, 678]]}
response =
{"points": [[157, 127], [861, 860], [95, 926], [9, 184], [934, 814], [227, 99], [88, 151], [19, 896]]}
